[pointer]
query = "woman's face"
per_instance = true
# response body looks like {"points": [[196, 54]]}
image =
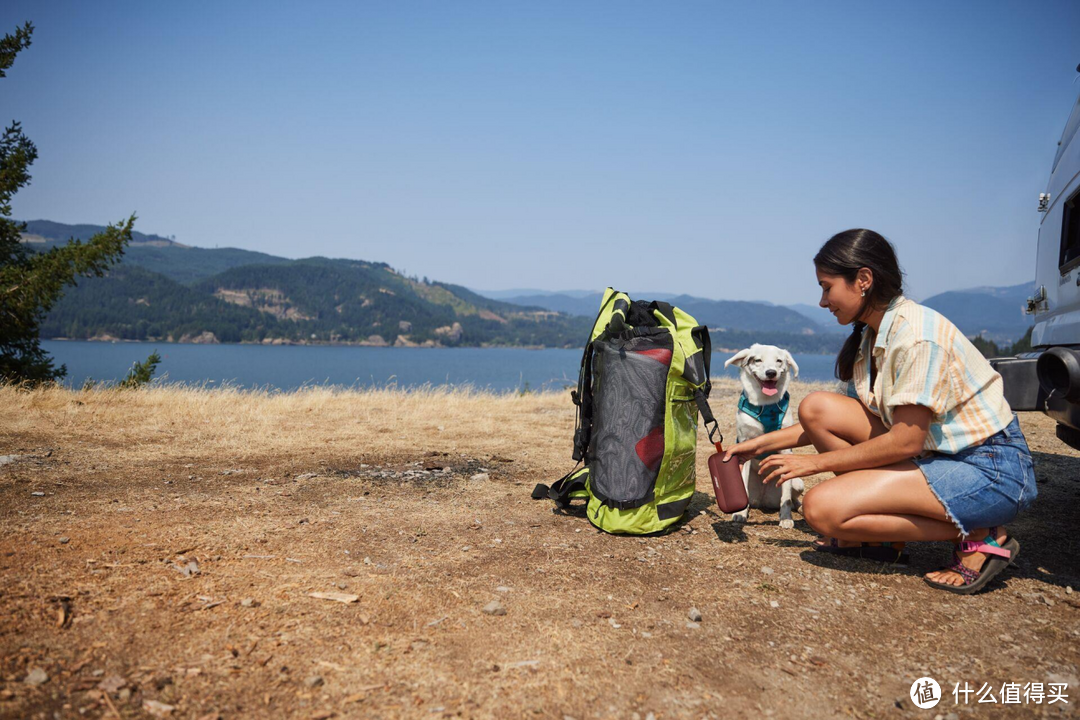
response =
{"points": [[842, 298]]}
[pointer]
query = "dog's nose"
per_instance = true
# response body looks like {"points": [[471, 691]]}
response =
{"points": [[770, 374]]}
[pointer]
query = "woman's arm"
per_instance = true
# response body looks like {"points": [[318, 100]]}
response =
{"points": [[904, 440], [792, 436]]}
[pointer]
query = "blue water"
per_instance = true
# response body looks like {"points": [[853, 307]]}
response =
{"points": [[287, 367]]}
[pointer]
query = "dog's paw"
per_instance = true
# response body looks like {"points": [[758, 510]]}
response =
{"points": [[740, 517], [787, 524]]}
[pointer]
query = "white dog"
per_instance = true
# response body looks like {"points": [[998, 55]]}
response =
{"points": [[765, 373]]}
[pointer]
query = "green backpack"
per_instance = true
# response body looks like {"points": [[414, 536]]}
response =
{"points": [[644, 377]]}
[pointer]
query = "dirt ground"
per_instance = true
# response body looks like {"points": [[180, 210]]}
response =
{"points": [[160, 549]]}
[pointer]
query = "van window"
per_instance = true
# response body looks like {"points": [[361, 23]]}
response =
{"points": [[1070, 233]]}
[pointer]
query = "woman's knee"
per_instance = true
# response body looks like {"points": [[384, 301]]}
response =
{"points": [[819, 509], [814, 408]]}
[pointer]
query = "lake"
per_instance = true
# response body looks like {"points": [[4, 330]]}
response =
{"points": [[287, 367]]}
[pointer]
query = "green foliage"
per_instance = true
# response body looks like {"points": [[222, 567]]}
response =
{"points": [[12, 44], [141, 372], [991, 349], [31, 283]]}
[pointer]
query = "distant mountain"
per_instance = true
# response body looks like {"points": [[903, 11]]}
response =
{"points": [[47, 231], [820, 317], [717, 314], [996, 313], [182, 263], [167, 290], [508, 294], [317, 300], [585, 305]]}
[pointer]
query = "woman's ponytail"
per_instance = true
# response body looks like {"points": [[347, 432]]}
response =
{"points": [[845, 361]]}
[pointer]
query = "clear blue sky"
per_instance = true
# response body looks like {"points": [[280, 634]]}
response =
{"points": [[708, 148]]}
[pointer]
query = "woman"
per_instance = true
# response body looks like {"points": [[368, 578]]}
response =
{"points": [[923, 443]]}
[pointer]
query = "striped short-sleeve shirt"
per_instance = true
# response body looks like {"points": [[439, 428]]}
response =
{"points": [[923, 359]]}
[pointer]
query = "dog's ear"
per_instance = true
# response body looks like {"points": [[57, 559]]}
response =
{"points": [[737, 358], [792, 364]]}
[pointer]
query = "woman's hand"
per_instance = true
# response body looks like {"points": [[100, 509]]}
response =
{"points": [[743, 451], [783, 467]]}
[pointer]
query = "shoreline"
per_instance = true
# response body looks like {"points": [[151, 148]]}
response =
{"points": [[415, 346]]}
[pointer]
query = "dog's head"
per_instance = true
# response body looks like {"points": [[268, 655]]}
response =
{"points": [[765, 372]]}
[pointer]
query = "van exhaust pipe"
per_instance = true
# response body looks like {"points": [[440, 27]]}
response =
{"points": [[1058, 370]]}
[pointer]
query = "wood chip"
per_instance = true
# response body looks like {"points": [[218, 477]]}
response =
{"points": [[335, 596]]}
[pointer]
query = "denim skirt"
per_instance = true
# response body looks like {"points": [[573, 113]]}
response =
{"points": [[986, 485]]}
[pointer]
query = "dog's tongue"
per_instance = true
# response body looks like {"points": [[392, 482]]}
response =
{"points": [[769, 387]]}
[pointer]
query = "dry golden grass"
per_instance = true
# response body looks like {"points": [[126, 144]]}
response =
{"points": [[158, 423], [280, 495]]}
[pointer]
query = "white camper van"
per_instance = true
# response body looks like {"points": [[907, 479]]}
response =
{"points": [[1048, 378]]}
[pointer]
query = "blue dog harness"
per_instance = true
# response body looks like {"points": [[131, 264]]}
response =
{"points": [[771, 417]]}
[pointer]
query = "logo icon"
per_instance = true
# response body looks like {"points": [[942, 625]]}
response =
{"points": [[925, 693]]}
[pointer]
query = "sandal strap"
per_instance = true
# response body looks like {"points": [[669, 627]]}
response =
{"points": [[987, 547], [963, 571]]}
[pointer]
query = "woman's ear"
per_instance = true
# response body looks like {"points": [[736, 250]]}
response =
{"points": [[792, 364], [737, 358], [864, 280]]}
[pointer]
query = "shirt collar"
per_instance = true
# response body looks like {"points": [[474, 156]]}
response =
{"points": [[886, 323]]}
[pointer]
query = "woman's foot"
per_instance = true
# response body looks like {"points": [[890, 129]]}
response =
{"points": [[892, 552], [973, 561]]}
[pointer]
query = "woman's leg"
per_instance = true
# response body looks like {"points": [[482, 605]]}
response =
{"points": [[883, 504], [833, 422], [889, 503]]}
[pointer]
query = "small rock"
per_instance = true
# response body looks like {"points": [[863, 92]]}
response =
{"points": [[767, 570], [248, 602], [5, 459], [480, 477], [1046, 601], [124, 695], [38, 493], [694, 615], [773, 603], [65, 540], [1068, 590], [342, 585], [692, 625], [36, 677], [335, 596], [158, 709], [112, 684], [314, 681], [494, 608], [502, 589]]}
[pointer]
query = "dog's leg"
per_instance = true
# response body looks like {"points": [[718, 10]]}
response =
{"points": [[785, 506], [797, 489], [743, 515]]}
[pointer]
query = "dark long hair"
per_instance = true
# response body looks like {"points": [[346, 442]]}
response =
{"points": [[844, 255]]}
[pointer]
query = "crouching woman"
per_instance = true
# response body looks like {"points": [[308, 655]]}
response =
{"points": [[923, 443]]}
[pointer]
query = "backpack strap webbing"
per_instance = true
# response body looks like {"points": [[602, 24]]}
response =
{"points": [[562, 489]]}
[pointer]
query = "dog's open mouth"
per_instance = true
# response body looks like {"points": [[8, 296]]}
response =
{"points": [[769, 387]]}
